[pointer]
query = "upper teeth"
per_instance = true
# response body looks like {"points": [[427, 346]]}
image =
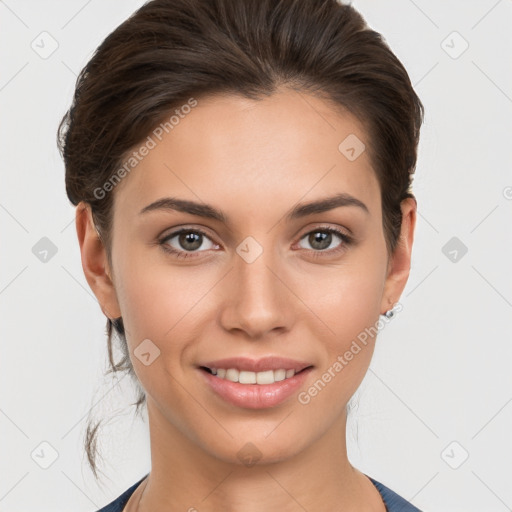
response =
{"points": [[246, 377]]}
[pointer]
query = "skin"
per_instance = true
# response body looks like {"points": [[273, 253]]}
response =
{"points": [[254, 160]]}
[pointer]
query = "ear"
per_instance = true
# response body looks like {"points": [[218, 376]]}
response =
{"points": [[400, 261], [95, 262]]}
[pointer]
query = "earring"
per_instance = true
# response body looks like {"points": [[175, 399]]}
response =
{"points": [[389, 313]]}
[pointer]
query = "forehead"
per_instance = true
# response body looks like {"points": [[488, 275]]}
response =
{"points": [[275, 151]]}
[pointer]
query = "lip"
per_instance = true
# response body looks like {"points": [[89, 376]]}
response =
{"points": [[258, 365], [254, 396]]}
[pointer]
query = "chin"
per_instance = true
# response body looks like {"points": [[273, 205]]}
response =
{"points": [[257, 450]]}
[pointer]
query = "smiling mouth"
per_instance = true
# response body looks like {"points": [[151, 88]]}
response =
{"points": [[257, 378]]}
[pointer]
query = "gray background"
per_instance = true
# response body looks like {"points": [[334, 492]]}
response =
{"points": [[433, 417]]}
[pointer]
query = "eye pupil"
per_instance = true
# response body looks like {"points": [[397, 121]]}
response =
{"points": [[187, 238], [190, 241], [322, 237]]}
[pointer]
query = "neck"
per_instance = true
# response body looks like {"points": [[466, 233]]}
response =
{"points": [[185, 477]]}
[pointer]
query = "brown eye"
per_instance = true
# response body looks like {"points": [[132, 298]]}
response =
{"points": [[185, 241], [323, 240]]}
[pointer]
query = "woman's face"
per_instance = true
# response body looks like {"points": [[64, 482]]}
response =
{"points": [[266, 280]]}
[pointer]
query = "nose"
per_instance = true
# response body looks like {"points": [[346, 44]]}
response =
{"points": [[257, 299]]}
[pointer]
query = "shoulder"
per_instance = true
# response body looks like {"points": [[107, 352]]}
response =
{"points": [[118, 504], [393, 502]]}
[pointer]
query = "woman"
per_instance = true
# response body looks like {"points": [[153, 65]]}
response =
{"points": [[241, 171]]}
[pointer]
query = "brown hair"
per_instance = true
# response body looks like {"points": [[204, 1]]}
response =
{"points": [[170, 50]]}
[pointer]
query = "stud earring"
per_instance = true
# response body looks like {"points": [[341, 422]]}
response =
{"points": [[390, 313]]}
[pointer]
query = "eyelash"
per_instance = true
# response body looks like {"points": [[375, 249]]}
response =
{"points": [[346, 239]]}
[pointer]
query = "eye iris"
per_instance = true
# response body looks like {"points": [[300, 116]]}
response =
{"points": [[189, 237], [320, 236]]}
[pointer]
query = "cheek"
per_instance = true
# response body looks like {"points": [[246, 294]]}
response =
{"points": [[154, 299], [157, 305], [347, 305], [358, 304], [163, 303], [346, 299], [351, 313]]}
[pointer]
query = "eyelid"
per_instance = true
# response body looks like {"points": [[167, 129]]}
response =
{"points": [[347, 239], [163, 239], [326, 227], [176, 230]]}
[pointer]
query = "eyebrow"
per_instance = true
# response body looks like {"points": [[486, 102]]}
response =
{"points": [[299, 211]]}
